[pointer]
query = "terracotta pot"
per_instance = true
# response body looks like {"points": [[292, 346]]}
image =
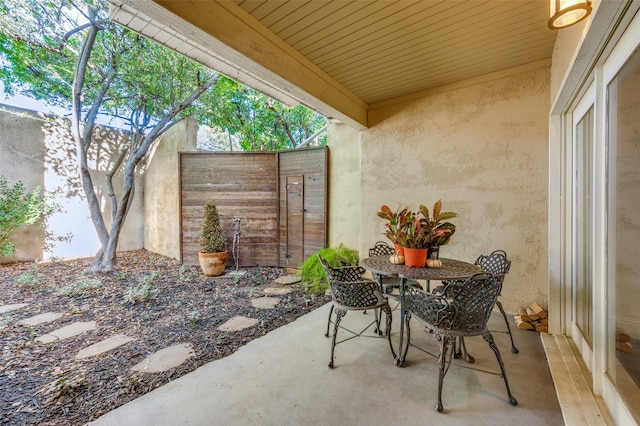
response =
{"points": [[213, 264], [399, 249], [415, 257]]}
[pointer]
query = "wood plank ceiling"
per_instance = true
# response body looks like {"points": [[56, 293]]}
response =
{"points": [[345, 58], [384, 49]]}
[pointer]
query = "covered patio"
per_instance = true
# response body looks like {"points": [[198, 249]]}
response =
{"points": [[513, 125], [283, 379]]}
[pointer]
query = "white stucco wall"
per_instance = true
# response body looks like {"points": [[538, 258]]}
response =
{"points": [[162, 191], [482, 150]]}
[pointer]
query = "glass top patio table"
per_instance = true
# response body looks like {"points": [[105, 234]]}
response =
{"points": [[451, 270]]}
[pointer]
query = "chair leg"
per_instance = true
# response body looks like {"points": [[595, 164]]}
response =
{"points": [[492, 344], [461, 351], [387, 312], [506, 321], [339, 314], [402, 355], [329, 321], [445, 342], [378, 314]]}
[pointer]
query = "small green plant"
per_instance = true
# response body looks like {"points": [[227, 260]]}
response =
{"points": [[72, 309], [82, 287], [193, 318], [142, 292], [312, 272], [19, 207], [186, 274], [30, 279]]}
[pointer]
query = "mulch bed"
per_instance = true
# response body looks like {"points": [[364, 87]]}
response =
{"points": [[44, 384]]}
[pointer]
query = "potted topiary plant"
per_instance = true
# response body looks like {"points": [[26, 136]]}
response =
{"points": [[213, 244]]}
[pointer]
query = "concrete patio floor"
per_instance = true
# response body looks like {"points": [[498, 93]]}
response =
{"points": [[283, 379]]}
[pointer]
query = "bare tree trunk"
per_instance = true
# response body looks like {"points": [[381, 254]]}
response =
{"points": [[126, 197]]}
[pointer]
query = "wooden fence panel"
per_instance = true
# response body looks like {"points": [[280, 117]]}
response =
{"points": [[253, 185], [242, 184], [311, 164]]}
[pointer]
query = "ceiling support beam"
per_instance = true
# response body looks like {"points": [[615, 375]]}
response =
{"points": [[222, 36]]}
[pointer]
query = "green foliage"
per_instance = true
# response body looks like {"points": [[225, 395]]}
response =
{"points": [[141, 293], [82, 287], [40, 44], [312, 273], [30, 279], [193, 318], [71, 55], [212, 239], [256, 121], [18, 207]]}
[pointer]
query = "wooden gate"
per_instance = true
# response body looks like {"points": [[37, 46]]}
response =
{"points": [[280, 198]]}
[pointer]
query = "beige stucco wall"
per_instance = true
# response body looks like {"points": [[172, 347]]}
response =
{"points": [[344, 183], [22, 159], [482, 150], [162, 192], [40, 151]]}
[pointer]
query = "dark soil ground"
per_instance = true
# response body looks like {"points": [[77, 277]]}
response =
{"points": [[44, 384]]}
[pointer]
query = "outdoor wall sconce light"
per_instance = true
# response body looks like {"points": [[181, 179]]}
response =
{"points": [[568, 12]]}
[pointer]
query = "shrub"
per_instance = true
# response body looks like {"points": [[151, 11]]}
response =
{"points": [[312, 272], [81, 287], [18, 207], [212, 239], [142, 292]]}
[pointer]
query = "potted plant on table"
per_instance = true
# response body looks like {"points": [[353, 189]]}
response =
{"points": [[415, 237], [396, 224], [213, 244], [418, 232], [439, 230]]}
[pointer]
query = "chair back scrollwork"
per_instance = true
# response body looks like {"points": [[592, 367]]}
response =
{"points": [[381, 249], [348, 288], [463, 306]]}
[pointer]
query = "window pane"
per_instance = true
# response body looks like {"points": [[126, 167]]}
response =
{"points": [[583, 284], [624, 110]]}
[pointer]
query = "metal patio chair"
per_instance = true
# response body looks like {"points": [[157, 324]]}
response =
{"points": [[381, 248], [496, 264], [350, 292], [461, 310]]}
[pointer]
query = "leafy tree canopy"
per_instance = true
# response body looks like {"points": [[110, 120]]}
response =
{"points": [[69, 54]]}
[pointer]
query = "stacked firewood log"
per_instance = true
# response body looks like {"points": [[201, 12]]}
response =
{"points": [[532, 317], [623, 342]]}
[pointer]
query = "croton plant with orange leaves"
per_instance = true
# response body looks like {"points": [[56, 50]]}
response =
{"points": [[418, 229]]}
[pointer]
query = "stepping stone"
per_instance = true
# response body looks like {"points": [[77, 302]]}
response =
{"points": [[278, 291], [265, 302], [68, 331], [7, 308], [104, 346], [42, 318], [288, 279], [165, 359], [238, 323]]}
